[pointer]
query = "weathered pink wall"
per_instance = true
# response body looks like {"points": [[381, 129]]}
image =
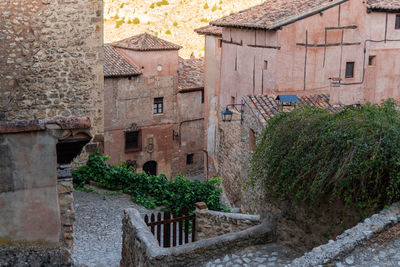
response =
{"points": [[289, 71]]}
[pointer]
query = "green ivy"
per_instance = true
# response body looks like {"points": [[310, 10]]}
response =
{"points": [[312, 156], [149, 191]]}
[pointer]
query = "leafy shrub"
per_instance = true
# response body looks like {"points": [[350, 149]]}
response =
{"points": [[214, 8], [168, 32], [136, 21], [205, 6], [162, 3], [122, 5], [146, 190], [175, 24], [311, 156], [152, 5], [204, 20], [118, 23]]}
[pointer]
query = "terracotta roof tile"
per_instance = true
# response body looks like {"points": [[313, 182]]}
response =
{"points": [[209, 30], [384, 5], [191, 74], [264, 107], [146, 42], [273, 14], [116, 65]]}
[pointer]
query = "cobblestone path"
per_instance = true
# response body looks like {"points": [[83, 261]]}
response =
{"points": [[258, 256], [98, 233], [384, 250]]}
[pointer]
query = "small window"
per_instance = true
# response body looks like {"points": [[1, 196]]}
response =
{"points": [[265, 65], [371, 61], [397, 24], [252, 140], [349, 70], [202, 96], [219, 43], [158, 105], [189, 159], [132, 141]]}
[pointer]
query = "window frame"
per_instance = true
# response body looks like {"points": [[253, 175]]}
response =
{"points": [[397, 22], [139, 141], [158, 105], [347, 74], [189, 159]]}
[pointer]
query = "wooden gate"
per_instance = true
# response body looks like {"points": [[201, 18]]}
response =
{"points": [[179, 222]]}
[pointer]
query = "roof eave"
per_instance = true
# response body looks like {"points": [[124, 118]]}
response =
{"points": [[382, 9], [148, 50], [121, 75]]}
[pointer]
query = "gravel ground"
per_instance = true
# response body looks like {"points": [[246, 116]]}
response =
{"points": [[259, 256], [98, 233]]}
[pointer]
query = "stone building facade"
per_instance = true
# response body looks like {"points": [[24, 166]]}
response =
{"points": [[51, 61], [51, 105], [346, 48], [153, 106]]}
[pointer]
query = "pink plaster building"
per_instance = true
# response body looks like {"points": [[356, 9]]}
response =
{"points": [[153, 106], [349, 49]]}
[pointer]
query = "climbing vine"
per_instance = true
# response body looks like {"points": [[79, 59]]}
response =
{"points": [[149, 191], [312, 156]]}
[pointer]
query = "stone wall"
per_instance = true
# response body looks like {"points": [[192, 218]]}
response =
{"points": [[140, 247], [213, 223], [51, 61]]}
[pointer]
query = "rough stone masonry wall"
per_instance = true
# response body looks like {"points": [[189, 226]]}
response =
{"points": [[140, 247], [213, 223], [51, 61], [234, 161]]}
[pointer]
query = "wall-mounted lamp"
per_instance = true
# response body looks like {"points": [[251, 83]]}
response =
{"points": [[335, 81], [227, 114]]}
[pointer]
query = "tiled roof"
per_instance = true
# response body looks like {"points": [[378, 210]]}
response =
{"points": [[273, 14], [116, 65], [209, 30], [146, 42], [384, 5], [264, 107], [191, 74]]}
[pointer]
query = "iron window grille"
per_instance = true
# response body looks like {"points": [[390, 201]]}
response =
{"points": [[158, 107], [132, 141]]}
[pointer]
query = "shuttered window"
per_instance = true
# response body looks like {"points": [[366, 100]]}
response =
{"points": [[349, 70], [132, 141], [397, 24]]}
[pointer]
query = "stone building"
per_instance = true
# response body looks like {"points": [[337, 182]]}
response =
{"points": [[51, 106], [346, 48], [153, 106]]}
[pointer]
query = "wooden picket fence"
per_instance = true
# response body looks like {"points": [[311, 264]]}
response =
{"points": [[179, 222]]}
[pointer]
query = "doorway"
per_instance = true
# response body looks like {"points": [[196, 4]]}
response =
{"points": [[150, 168]]}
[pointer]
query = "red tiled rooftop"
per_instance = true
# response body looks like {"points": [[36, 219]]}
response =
{"points": [[209, 30], [264, 107], [273, 14], [384, 5], [191, 74], [146, 42], [116, 65]]}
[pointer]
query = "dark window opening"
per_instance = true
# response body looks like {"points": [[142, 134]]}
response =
{"points": [[265, 65], [371, 61], [202, 96], [252, 140], [158, 107], [219, 43], [397, 24], [150, 168], [132, 141], [189, 159], [349, 70]]}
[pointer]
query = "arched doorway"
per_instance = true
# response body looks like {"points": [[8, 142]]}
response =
{"points": [[150, 168]]}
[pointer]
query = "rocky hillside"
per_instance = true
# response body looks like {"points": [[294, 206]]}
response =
{"points": [[172, 20]]}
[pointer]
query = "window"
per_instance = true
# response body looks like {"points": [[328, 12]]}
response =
{"points": [[233, 100], [252, 140], [202, 96], [132, 141], [371, 61], [397, 23], [265, 65], [349, 70], [189, 159], [158, 105]]}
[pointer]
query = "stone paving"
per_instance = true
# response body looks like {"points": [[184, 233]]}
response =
{"points": [[257, 256], [98, 233], [383, 250]]}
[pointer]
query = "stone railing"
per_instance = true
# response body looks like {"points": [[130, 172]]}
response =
{"points": [[140, 247], [213, 223], [351, 238]]}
